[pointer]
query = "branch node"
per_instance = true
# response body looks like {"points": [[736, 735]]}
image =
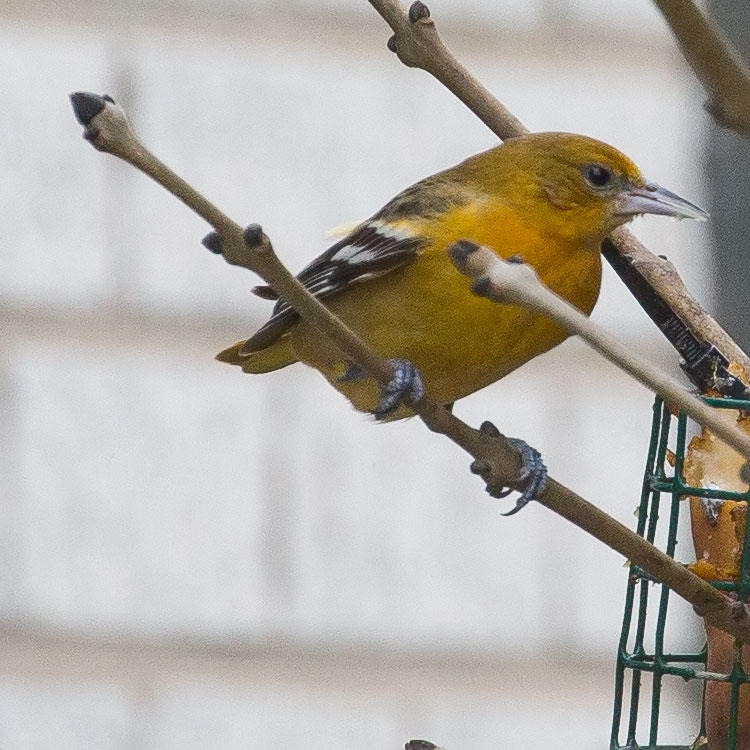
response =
{"points": [[212, 241], [489, 429], [392, 44], [480, 467], [418, 11], [460, 253], [253, 234], [482, 287]]}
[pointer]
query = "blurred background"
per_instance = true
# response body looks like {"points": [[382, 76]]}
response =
{"points": [[194, 558]]}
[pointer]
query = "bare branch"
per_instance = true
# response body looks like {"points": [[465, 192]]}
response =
{"points": [[106, 127], [714, 61], [417, 43], [505, 281]]}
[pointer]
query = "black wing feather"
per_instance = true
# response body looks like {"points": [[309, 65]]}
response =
{"points": [[372, 249]]}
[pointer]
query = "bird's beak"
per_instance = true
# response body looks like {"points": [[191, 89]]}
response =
{"points": [[654, 199]]}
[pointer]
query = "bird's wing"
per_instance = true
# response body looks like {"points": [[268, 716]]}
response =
{"points": [[374, 248]]}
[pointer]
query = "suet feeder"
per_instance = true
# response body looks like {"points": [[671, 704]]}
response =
{"points": [[646, 667]]}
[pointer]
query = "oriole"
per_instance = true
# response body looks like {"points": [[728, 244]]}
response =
{"points": [[550, 198]]}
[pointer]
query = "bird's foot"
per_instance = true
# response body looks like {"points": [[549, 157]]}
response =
{"points": [[405, 386], [533, 475]]}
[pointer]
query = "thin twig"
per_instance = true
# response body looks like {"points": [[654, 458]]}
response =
{"points": [[106, 127], [505, 281], [417, 43], [714, 61]]}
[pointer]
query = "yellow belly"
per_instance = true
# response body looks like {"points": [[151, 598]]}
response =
{"points": [[425, 312]]}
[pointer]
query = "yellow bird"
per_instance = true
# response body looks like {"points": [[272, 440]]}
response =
{"points": [[550, 198]]}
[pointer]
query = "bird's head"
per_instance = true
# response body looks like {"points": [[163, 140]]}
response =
{"points": [[587, 187]]}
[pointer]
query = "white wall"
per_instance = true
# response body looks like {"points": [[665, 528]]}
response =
{"points": [[196, 558]]}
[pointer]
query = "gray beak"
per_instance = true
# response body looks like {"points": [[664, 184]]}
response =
{"points": [[654, 199]]}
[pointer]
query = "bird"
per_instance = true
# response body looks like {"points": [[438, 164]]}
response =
{"points": [[548, 198]]}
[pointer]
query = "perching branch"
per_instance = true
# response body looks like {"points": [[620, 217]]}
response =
{"points": [[495, 460], [714, 61], [505, 281], [417, 43], [107, 129]]}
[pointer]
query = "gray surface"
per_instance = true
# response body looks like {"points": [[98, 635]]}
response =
{"points": [[728, 175]]}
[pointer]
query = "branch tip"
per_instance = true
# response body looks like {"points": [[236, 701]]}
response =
{"points": [[420, 745], [105, 125], [86, 106], [212, 241]]}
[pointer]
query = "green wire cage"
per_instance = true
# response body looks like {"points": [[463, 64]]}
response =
{"points": [[646, 668]]}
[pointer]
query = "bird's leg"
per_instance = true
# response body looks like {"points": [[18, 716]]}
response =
{"points": [[533, 472], [405, 386]]}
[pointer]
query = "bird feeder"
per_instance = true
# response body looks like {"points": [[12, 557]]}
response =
{"points": [[699, 480]]}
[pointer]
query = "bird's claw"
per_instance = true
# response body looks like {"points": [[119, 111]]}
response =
{"points": [[533, 473], [405, 386]]}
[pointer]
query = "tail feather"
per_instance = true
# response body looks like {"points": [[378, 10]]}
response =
{"points": [[279, 354]]}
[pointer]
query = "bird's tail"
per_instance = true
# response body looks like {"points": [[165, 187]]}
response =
{"points": [[279, 354]]}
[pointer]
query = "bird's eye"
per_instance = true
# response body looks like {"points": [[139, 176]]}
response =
{"points": [[597, 176]]}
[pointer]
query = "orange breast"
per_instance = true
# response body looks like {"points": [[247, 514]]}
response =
{"points": [[425, 311]]}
